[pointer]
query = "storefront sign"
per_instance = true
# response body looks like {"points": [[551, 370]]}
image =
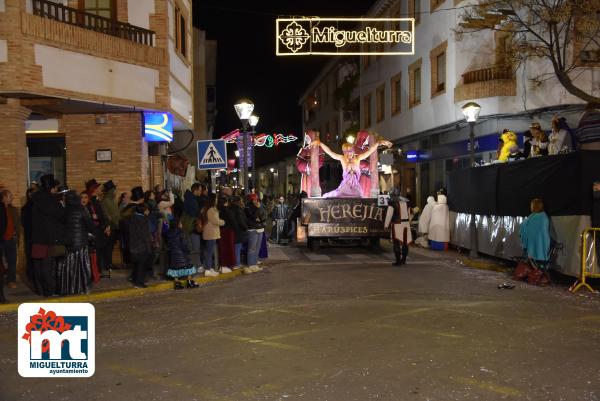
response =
{"points": [[345, 36], [158, 127], [343, 217]]}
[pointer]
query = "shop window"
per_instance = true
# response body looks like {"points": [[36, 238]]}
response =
{"points": [[367, 111], [180, 32], [396, 89], [437, 57], [380, 103], [414, 73]]}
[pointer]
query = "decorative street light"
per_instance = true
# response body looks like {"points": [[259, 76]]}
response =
{"points": [[244, 109], [253, 121], [471, 112]]}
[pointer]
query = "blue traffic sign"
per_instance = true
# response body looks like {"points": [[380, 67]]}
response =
{"points": [[212, 154]]}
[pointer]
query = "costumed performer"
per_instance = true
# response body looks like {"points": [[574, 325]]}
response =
{"points": [[439, 226], [509, 140], [398, 214], [424, 221], [350, 185]]}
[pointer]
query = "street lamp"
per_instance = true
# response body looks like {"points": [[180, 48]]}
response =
{"points": [[471, 112], [253, 121], [244, 109]]}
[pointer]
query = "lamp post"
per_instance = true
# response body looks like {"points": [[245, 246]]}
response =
{"points": [[471, 112], [253, 121], [244, 109]]}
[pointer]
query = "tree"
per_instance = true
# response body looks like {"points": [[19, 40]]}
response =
{"points": [[564, 32]]}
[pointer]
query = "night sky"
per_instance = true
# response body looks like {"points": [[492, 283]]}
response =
{"points": [[248, 68]]}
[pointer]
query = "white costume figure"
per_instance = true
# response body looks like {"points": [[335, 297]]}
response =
{"points": [[398, 215], [424, 221], [439, 226]]}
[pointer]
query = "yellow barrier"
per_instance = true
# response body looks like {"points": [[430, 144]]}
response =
{"points": [[584, 273]]}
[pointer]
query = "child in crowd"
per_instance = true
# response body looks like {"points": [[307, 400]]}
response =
{"points": [[179, 257]]}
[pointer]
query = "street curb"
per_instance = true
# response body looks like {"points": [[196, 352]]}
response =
{"points": [[481, 265], [118, 293]]}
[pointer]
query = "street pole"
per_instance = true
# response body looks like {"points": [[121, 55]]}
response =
{"points": [[245, 166], [253, 160], [472, 227]]}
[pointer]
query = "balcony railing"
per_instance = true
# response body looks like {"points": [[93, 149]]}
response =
{"points": [[93, 22], [488, 74]]}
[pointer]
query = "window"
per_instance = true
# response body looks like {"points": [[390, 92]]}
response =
{"points": [[414, 74], [437, 57], [414, 10], [180, 32], [380, 98], [102, 8], [395, 84], [367, 111]]}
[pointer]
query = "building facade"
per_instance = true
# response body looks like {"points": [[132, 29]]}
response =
{"points": [[416, 100], [75, 79]]}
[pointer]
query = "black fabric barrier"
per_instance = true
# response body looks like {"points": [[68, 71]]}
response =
{"points": [[564, 182]]}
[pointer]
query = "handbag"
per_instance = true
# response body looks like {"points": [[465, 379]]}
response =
{"points": [[538, 276], [521, 271]]}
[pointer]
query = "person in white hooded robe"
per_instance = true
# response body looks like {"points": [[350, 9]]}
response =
{"points": [[439, 226], [424, 221]]}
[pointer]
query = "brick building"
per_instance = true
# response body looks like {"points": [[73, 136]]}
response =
{"points": [[76, 77]]}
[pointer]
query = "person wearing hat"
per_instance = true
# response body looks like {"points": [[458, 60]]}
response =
{"points": [[111, 210], [136, 199], [48, 219], [539, 143], [100, 221], [560, 139]]}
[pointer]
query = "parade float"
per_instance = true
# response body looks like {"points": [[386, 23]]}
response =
{"points": [[353, 211]]}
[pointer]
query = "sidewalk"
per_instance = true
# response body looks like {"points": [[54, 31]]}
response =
{"points": [[108, 288]]}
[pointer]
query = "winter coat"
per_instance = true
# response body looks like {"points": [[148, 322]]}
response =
{"points": [[111, 209], [280, 212], [4, 220], [101, 220], [190, 204], [178, 249], [439, 226], [78, 224], [26, 219], [139, 238], [425, 218], [256, 217], [241, 224], [48, 219], [212, 225], [535, 236], [228, 218]]}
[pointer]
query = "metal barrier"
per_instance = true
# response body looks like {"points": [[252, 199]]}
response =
{"points": [[587, 255]]}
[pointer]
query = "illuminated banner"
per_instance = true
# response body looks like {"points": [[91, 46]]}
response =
{"points": [[345, 36], [158, 127]]}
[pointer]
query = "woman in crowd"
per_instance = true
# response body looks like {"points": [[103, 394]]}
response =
{"points": [[210, 234], [539, 143], [535, 234], [241, 227], [227, 241], [165, 205], [154, 217], [256, 227], [74, 272], [179, 257], [124, 200], [97, 241], [47, 235]]}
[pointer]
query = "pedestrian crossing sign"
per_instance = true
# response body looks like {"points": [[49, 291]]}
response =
{"points": [[212, 154]]}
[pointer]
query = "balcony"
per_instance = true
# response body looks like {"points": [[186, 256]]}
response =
{"points": [[92, 22], [486, 82]]}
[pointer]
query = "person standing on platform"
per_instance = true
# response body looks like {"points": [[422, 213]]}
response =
{"points": [[398, 216], [539, 143], [560, 139]]}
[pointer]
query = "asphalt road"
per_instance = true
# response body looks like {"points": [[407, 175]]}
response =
{"points": [[333, 327]]}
